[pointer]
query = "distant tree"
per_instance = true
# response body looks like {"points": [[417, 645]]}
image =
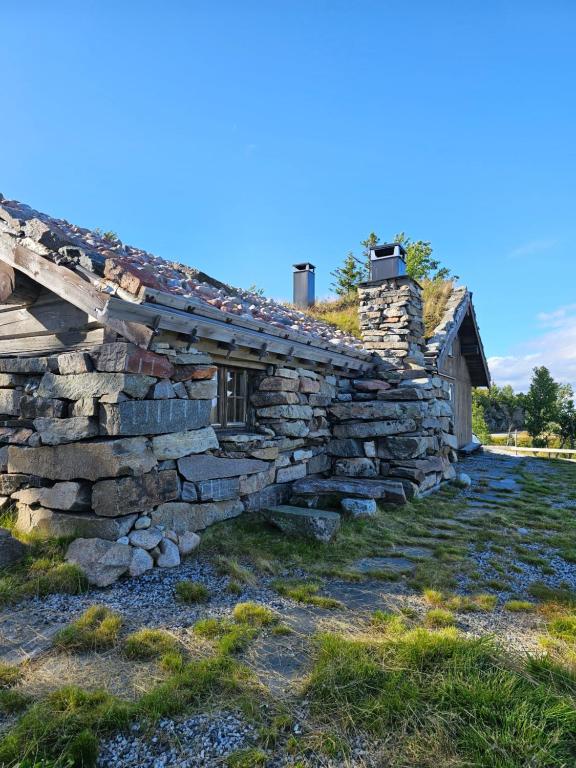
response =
{"points": [[479, 426], [367, 245], [566, 415], [419, 262], [541, 405], [348, 276]]}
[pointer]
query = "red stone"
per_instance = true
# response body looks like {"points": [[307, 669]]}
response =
{"points": [[193, 372], [121, 357]]}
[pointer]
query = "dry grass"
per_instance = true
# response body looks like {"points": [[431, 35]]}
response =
{"points": [[435, 295], [343, 312]]}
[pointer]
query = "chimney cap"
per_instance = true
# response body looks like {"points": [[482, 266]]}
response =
{"points": [[304, 266], [387, 249]]}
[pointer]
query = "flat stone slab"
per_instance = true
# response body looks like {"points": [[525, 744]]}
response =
{"points": [[416, 553], [196, 468], [153, 417], [318, 524], [393, 564], [388, 490], [90, 461]]}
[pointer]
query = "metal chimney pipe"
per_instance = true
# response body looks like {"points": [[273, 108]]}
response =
{"points": [[387, 260], [304, 284]]}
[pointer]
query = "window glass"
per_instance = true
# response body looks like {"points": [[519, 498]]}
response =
{"points": [[230, 407]]}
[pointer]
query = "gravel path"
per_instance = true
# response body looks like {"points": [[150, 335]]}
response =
{"points": [[280, 662]]}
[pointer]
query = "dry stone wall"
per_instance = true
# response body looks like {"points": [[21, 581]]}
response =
{"points": [[113, 446]]}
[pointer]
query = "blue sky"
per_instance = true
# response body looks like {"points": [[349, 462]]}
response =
{"points": [[243, 137]]}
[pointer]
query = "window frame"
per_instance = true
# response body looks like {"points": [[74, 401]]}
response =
{"points": [[223, 398]]}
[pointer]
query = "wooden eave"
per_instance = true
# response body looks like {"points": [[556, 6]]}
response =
{"points": [[138, 319], [465, 325]]}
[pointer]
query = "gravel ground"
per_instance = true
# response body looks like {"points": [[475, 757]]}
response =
{"points": [[208, 739], [202, 740]]}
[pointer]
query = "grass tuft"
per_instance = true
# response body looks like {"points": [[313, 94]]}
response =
{"points": [[63, 729], [247, 758], [10, 674], [305, 592], [254, 615], [439, 617], [192, 592], [519, 606], [149, 644], [96, 628], [239, 573]]}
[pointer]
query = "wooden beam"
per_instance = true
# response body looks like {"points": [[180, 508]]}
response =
{"points": [[221, 331], [197, 307], [70, 287]]}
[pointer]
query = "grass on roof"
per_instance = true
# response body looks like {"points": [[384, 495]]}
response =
{"points": [[343, 312]]}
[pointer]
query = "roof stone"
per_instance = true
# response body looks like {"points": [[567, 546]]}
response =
{"points": [[132, 269]]}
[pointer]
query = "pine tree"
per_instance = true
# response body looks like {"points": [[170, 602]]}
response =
{"points": [[479, 426], [541, 404], [348, 276]]}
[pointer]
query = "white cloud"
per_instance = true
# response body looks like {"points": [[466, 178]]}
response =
{"points": [[531, 247], [555, 348]]}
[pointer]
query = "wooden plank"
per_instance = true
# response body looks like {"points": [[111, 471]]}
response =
{"points": [[59, 279], [49, 343], [70, 287], [216, 330], [197, 307]]}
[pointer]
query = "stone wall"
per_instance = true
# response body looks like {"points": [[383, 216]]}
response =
{"points": [[115, 445], [399, 424]]}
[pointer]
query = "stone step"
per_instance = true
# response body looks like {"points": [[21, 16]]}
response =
{"points": [[318, 524], [388, 490]]}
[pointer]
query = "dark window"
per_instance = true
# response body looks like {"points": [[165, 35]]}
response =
{"points": [[230, 406]]}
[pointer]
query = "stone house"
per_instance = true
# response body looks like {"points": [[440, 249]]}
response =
{"points": [[142, 401]]}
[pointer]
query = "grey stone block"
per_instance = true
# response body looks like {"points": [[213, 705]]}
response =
{"points": [[196, 468], [154, 417], [123, 496]]}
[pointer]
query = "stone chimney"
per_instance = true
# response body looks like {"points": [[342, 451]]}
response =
{"points": [[390, 309]]}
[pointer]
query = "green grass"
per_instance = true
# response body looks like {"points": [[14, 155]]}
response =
{"points": [[247, 758], [13, 701], [149, 644], [98, 627], [305, 592], [254, 615], [10, 674], [548, 594], [63, 729], [441, 694], [517, 606], [564, 628], [42, 572], [389, 622], [229, 566], [438, 617], [192, 592]]}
